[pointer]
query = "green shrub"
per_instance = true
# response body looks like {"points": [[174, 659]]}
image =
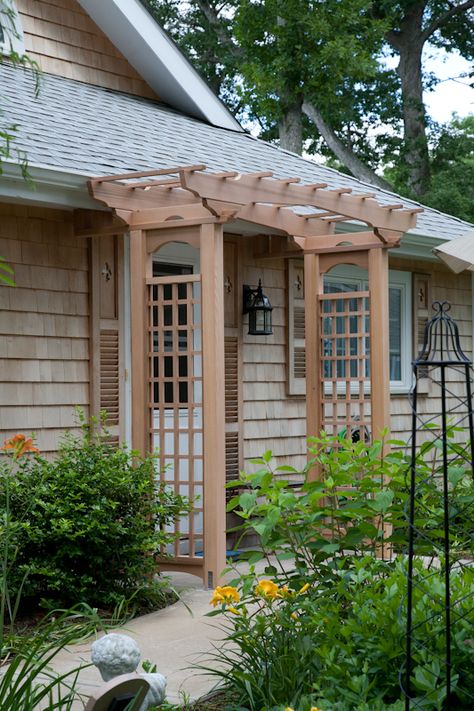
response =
{"points": [[360, 498], [86, 526], [341, 645], [344, 648]]}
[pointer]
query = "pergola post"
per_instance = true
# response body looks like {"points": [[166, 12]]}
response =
{"points": [[314, 385], [212, 276], [189, 196], [379, 341], [139, 330]]}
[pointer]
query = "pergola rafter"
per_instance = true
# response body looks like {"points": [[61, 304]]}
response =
{"points": [[292, 219], [190, 194]]}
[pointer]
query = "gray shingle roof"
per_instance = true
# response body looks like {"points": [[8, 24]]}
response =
{"points": [[90, 130]]}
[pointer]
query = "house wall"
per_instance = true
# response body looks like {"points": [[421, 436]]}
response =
{"points": [[272, 420], [445, 286], [64, 40], [44, 324], [275, 421]]}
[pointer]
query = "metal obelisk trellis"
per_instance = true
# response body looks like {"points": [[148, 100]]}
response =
{"points": [[446, 433]]}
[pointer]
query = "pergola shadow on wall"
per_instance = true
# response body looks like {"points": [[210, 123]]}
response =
{"points": [[177, 321]]}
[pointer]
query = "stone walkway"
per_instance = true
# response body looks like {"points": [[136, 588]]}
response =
{"points": [[173, 639]]}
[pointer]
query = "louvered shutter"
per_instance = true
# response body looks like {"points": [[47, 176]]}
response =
{"points": [[296, 329], [106, 383], [232, 362], [109, 375]]}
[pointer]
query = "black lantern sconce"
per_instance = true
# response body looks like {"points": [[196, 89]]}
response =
{"points": [[259, 309]]}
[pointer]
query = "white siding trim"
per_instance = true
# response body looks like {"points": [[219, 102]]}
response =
{"points": [[158, 60], [472, 312]]}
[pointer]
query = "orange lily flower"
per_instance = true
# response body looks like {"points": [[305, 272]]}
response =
{"points": [[19, 445]]}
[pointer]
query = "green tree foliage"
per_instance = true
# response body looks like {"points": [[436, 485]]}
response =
{"points": [[312, 73], [452, 168]]}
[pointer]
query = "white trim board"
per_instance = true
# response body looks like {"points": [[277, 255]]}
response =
{"points": [[158, 60], [47, 187]]}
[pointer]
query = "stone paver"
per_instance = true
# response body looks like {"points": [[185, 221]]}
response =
{"points": [[174, 639]]}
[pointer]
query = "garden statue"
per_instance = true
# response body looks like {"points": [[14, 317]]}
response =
{"points": [[116, 654]]}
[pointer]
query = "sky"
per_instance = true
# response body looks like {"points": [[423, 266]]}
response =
{"points": [[450, 95]]}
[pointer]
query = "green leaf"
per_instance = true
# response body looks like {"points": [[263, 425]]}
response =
{"points": [[382, 501]]}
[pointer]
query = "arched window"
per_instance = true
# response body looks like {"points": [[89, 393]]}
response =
{"points": [[11, 32]]}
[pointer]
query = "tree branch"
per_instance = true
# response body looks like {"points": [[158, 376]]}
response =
{"points": [[212, 16], [441, 21], [359, 169]]}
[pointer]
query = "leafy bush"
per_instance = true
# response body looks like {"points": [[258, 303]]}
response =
{"points": [[86, 526], [341, 645], [342, 648], [358, 505]]}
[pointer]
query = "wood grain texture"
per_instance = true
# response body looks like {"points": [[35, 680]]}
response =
{"points": [[44, 325], [212, 275], [274, 421], [64, 40], [271, 419]]}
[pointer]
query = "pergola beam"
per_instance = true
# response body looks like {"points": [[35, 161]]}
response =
{"points": [[247, 189], [123, 197], [254, 197], [348, 241], [282, 218]]}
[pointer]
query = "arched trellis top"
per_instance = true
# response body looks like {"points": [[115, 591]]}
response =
{"points": [[196, 205], [189, 195]]}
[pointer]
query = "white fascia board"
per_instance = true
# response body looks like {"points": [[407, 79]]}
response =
{"points": [[412, 245], [156, 58], [47, 187], [415, 246]]}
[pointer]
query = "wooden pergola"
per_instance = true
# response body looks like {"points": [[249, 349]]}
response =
{"points": [[190, 204]]}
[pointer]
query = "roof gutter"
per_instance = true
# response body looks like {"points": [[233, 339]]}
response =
{"points": [[55, 188], [46, 187]]}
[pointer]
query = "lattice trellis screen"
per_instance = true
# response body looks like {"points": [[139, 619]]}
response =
{"points": [[345, 363], [175, 407]]}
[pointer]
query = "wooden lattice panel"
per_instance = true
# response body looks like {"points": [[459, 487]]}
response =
{"points": [[345, 364], [175, 407]]}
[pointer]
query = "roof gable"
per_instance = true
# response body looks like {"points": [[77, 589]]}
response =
{"points": [[158, 60], [64, 40]]}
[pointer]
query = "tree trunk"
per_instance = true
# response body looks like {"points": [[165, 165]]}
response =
{"points": [[344, 154], [408, 42], [290, 128]]}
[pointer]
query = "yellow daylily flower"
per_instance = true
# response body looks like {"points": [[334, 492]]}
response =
{"points": [[288, 708], [224, 594], [303, 590], [268, 589]]}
